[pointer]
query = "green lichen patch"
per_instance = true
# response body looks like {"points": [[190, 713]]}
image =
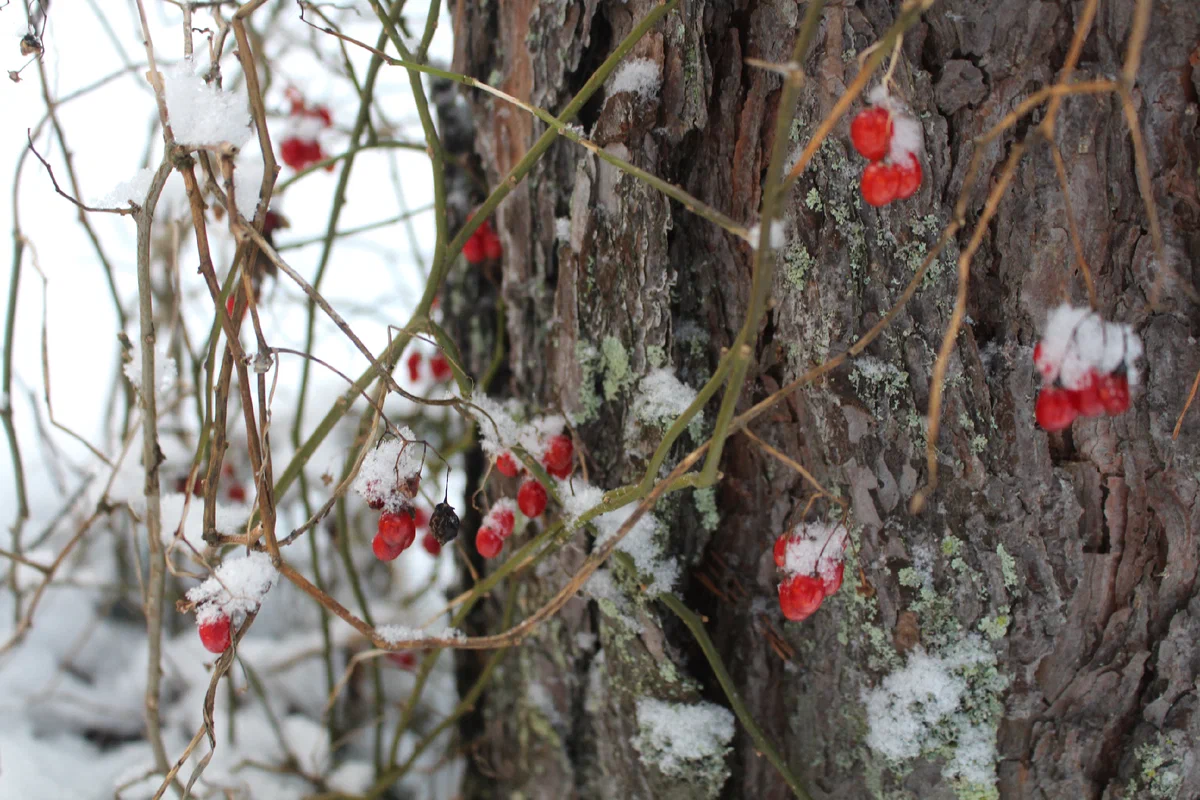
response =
{"points": [[614, 361]]}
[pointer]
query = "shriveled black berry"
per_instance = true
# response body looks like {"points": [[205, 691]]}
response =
{"points": [[30, 44], [444, 523]]}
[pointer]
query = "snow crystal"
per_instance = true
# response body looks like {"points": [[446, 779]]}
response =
{"points": [[201, 115], [815, 548], [640, 543], [501, 431], [907, 135], [677, 737], [638, 75], [237, 587], [387, 467], [394, 634], [1077, 341], [134, 189], [562, 229], [916, 709], [661, 397], [778, 235], [165, 371]]}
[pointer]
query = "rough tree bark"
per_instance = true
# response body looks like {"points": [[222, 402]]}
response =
{"points": [[1074, 553]]}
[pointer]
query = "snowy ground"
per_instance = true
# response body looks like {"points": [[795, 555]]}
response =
{"points": [[71, 690]]}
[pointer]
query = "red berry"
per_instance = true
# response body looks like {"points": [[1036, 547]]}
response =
{"points": [[473, 250], [871, 132], [880, 183], [831, 583], [397, 528], [1087, 397], [488, 542], [1055, 409], [404, 660], [439, 365], [236, 493], [431, 544], [504, 521], [323, 113], [800, 596], [559, 455], [909, 173], [292, 152], [1113, 391], [781, 551], [420, 517], [507, 466], [385, 550], [214, 634], [414, 366], [531, 499], [491, 246]]}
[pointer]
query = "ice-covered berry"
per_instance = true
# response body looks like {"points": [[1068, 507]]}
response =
{"points": [[214, 632], [1055, 410], [559, 456], [531, 499], [488, 542], [871, 132]]}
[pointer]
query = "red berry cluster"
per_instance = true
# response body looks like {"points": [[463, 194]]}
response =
{"points": [[887, 136], [482, 245], [1057, 407], [812, 573], [439, 366], [396, 532], [301, 147], [497, 526], [1087, 367], [558, 457]]}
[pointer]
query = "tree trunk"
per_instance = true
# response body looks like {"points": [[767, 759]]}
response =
{"points": [[1069, 558]]}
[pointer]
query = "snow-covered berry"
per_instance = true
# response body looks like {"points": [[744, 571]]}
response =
{"points": [[1085, 362], [531, 499], [559, 456], [214, 632], [508, 466]]}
